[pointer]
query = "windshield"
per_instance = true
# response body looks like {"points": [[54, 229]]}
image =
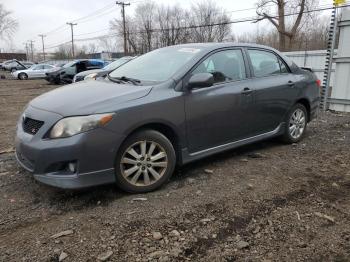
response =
{"points": [[115, 64], [69, 64], [158, 65]]}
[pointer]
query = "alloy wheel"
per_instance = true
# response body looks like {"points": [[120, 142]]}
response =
{"points": [[297, 124], [144, 163]]}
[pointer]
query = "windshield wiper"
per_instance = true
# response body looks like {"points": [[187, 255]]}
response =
{"points": [[125, 79]]}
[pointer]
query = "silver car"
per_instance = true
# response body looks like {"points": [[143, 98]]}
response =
{"points": [[35, 71]]}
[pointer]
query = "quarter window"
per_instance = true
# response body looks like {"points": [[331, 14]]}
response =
{"points": [[225, 66], [266, 63]]}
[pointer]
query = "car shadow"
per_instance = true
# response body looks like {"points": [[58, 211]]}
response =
{"points": [[68, 200]]}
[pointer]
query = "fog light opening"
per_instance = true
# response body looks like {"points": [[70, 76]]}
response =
{"points": [[72, 167]]}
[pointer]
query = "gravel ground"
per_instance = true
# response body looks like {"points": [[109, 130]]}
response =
{"points": [[263, 202]]}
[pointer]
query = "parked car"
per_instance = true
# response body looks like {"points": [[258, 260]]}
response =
{"points": [[3, 64], [95, 73], [66, 73], [35, 71], [165, 108], [17, 65]]}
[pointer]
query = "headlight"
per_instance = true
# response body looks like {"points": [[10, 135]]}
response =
{"points": [[74, 125], [91, 76]]}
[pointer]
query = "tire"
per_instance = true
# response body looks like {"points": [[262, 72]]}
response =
{"points": [[296, 123], [23, 76], [130, 169]]}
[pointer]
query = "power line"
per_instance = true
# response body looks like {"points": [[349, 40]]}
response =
{"points": [[98, 11], [241, 20]]}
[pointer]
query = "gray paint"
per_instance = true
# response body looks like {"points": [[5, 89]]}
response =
{"points": [[204, 121]]}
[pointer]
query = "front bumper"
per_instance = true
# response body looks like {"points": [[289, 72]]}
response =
{"points": [[93, 154]]}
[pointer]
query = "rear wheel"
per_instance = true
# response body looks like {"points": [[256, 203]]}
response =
{"points": [[23, 76], [145, 161], [296, 123]]}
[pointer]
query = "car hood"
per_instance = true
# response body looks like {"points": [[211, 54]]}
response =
{"points": [[88, 72], [84, 98], [54, 71]]}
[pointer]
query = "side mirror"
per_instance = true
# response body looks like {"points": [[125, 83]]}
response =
{"points": [[201, 80]]}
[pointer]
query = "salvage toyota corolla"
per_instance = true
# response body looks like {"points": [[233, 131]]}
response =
{"points": [[165, 108]]}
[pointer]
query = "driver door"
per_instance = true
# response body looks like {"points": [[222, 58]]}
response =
{"points": [[221, 113]]}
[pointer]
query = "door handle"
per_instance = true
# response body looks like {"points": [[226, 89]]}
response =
{"points": [[246, 91], [290, 83]]}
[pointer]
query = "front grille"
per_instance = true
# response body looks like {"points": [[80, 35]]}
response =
{"points": [[31, 126], [79, 78]]}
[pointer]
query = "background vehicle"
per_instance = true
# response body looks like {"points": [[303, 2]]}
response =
{"points": [[67, 72], [3, 64], [93, 74], [170, 106], [35, 71], [17, 65]]}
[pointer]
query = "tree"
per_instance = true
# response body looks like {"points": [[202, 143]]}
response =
{"points": [[92, 48], [153, 26], [287, 27], [8, 25], [203, 17], [63, 51], [312, 36]]}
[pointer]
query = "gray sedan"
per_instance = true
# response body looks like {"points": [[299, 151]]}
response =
{"points": [[35, 71], [168, 107]]}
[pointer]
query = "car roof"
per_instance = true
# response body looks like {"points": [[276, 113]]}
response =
{"points": [[208, 47], [215, 45]]}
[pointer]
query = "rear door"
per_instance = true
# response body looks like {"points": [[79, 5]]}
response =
{"points": [[274, 87], [221, 113]]}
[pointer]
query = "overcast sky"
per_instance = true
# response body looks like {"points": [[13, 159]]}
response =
{"points": [[40, 17]]}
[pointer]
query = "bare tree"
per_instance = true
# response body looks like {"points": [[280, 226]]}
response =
{"points": [[170, 20], [154, 26], [63, 51], [287, 27], [108, 44], [8, 25], [209, 22], [312, 36], [92, 48]]}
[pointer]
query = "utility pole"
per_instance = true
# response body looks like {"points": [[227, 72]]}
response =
{"points": [[71, 28], [31, 48], [27, 53], [123, 4], [42, 41]]}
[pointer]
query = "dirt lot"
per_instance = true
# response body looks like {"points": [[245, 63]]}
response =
{"points": [[264, 202]]}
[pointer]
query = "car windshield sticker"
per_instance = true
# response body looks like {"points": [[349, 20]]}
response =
{"points": [[189, 50]]}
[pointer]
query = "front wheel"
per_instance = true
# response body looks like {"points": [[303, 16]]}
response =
{"points": [[23, 76], [145, 161], [296, 123]]}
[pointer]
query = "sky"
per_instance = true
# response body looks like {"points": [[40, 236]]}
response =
{"points": [[50, 16]]}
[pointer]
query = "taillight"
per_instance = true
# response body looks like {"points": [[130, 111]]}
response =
{"points": [[318, 82]]}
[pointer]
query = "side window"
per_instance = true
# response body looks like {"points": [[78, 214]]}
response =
{"points": [[39, 67], [47, 67], [225, 65], [283, 67], [266, 63]]}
